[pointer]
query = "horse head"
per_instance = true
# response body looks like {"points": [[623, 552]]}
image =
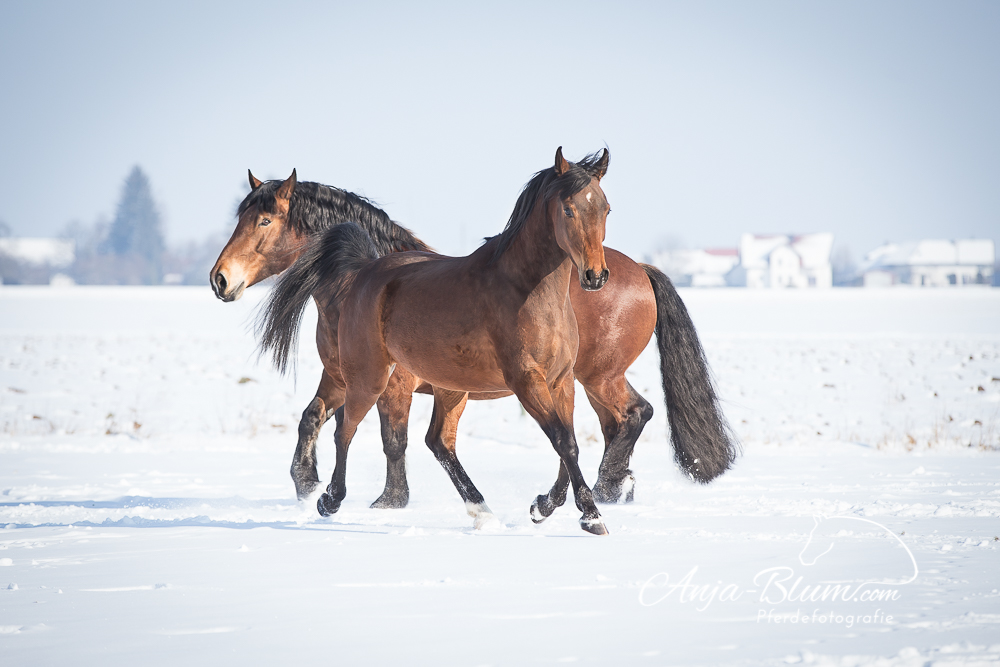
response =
{"points": [[263, 243], [580, 218]]}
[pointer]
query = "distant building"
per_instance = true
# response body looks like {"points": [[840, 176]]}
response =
{"points": [[931, 263], [782, 260], [698, 268], [34, 260], [57, 253]]}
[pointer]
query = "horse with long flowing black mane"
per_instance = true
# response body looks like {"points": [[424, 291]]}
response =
{"points": [[279, 220], [499, 319]]}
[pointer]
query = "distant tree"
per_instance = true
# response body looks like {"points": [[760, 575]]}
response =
{"points": [[135, 235], [845, 271]]}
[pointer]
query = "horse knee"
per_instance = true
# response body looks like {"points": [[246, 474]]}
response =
{"points": [[393, 437], [313, 418], [437, 447], [645, 412]]}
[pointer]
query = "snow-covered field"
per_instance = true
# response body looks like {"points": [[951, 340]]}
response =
{"points": [[150, 518]]}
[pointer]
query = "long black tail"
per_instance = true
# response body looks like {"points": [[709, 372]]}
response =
{"points": [[704, 445], [330, 262]]}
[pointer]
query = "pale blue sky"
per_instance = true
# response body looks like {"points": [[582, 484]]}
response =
{"points": [[875, 121]]}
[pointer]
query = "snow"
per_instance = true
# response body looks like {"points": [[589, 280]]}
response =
{"points": [[150, 518]]}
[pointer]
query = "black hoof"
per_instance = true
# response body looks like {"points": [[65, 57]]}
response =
{"points": [[541, 509], [391, 501], [326, 505], [593, 526]]}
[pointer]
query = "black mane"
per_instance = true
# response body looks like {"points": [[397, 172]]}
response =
{"points": [[548, 185], [316, 207]]}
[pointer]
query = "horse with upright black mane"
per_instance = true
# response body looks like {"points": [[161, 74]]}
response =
{"points": [[279, 220], [498, 319]]}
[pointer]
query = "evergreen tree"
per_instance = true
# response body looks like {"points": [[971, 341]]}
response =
{"points": [[135, 233]]}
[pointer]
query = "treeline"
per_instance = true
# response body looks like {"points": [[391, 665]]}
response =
{"points": [[130, 250]]}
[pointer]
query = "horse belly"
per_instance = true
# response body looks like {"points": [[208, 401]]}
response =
{"points": [[457, 369], [443, 352]]}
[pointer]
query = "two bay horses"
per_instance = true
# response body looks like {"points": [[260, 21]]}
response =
{"points": [[279, 220], [497, 320]]}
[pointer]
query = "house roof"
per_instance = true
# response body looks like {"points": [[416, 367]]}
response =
{"points": [[57, 252], [812, 249], [932, 252]]}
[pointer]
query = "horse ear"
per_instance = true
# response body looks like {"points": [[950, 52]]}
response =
{"points": [[602, 164], [562, 166], [286, 188], [254, 182]]}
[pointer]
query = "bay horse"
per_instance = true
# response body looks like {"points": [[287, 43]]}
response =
{"points": [[497, 320], [279, 220]]}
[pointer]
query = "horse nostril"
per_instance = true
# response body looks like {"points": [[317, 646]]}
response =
{"points": [[590, 276], [220, 281], [605, 274]]}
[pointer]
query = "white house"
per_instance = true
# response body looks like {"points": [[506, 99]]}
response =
{"points": [[42, 254], [698, 268], [57, 253], [931, 263], [782, 260]]}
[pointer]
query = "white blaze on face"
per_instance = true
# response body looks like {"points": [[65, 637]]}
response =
{"points": [[589, 195]]}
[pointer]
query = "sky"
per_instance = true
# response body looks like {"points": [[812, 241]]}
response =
{"points": [[874, 121]]}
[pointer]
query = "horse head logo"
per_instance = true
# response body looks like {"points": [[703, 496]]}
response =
{"points": [[836, 540]]}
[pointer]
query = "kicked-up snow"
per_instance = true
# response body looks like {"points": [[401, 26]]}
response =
{"points": [[150, 518]]}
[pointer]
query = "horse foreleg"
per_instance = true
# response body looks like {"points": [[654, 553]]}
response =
{"points": [[359, 399], [544, 506], [623, 414], [553, 410], [441, 438], [329, 397], [394, 415]]}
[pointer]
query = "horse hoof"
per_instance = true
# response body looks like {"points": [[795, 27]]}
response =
{"points": [[604, 493], [326, 505], [303, 492], [391, 501], [613, 493], [594, 526], [304, 485], [541, 509]]}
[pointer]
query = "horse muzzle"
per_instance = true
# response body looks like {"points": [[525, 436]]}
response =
{"points": [[592, 281], [223, 290]]}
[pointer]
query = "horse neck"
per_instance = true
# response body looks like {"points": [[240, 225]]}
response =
{"points": [[396, 240], [534, 255]]}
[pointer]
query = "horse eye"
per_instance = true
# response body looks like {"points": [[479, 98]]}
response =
{"points": [[568, 211], [265, 222]]}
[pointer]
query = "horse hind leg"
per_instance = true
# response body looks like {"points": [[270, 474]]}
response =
{"points": [[623, 413], [441, 438], [394, 414], [329, 397]]}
